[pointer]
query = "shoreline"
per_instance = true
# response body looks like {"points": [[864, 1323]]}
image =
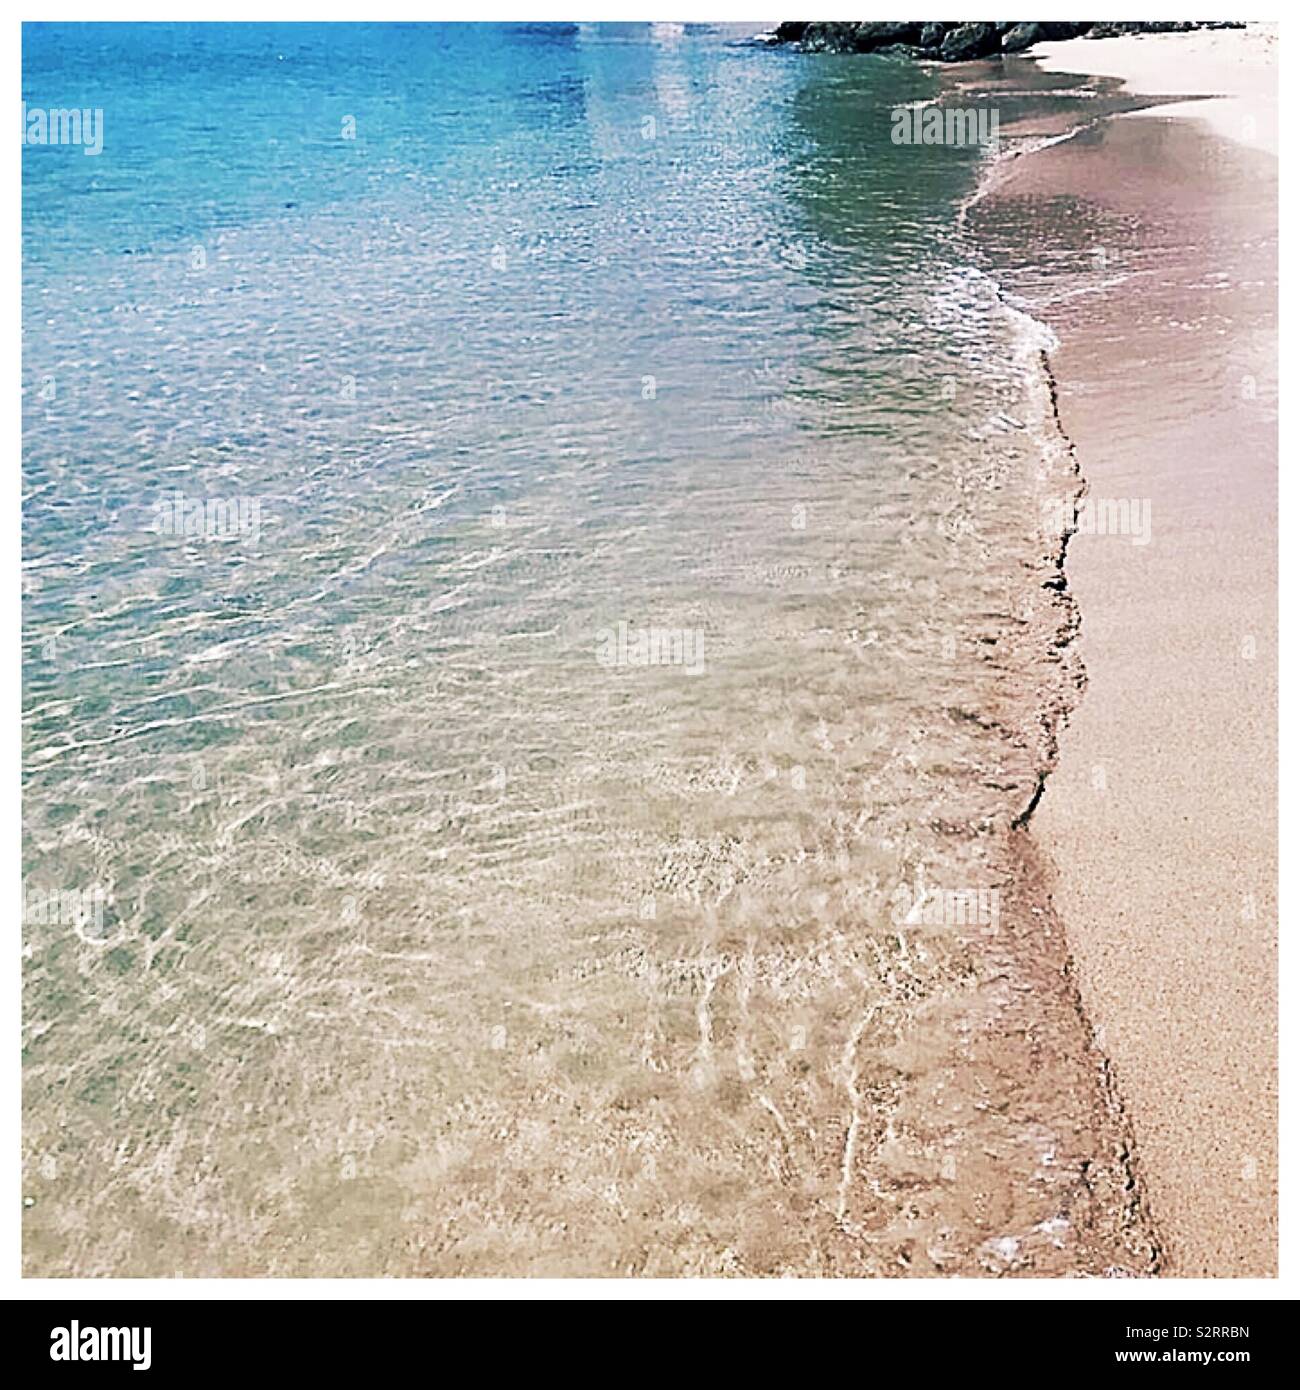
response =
{"points": [[1171, 940], [1215, 73], [910, 941]]}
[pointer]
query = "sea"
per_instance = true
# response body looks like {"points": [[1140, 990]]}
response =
{"points": [[540, 644]]}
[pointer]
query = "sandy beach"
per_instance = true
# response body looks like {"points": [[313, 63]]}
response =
{"points": [[1160, 816]]}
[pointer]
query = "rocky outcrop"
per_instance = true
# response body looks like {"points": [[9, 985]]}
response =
{"points": [[960, 43], [965, 41], [1022, 36]]}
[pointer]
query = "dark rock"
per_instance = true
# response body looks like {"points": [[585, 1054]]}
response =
{"points": [[959, 43], [932, 35], [967, 41], [1021, 36], [1017, 37], [1108, 29], [831, 38], [870, 37], [1056, 30]]}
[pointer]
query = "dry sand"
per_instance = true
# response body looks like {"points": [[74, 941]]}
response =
{"points": [[1233, 75], [1161, 815]]}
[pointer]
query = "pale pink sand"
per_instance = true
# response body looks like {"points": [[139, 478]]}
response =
{"points": [[1161, 816], [1235, 69]]}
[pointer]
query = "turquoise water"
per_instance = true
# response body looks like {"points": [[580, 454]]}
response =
{"points": [[440, 933]]}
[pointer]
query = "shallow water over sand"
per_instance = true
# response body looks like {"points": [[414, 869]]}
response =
{"points": [[446, 931]]}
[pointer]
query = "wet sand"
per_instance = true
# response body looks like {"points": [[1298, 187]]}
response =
{"points": [[1158, 274]]}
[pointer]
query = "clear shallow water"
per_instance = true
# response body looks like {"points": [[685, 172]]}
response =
{"points": [[432, 942]]}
